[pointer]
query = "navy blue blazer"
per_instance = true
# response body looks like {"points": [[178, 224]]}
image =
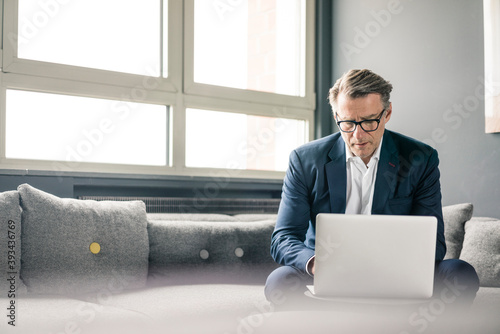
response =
{"points": [[407, 183]]}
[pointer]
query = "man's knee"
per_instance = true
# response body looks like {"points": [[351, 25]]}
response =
{"points": [[284, 282], [459, 269], [458, 279]]}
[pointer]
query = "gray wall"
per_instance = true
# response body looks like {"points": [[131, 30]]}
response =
{"points": [[432, 52]]}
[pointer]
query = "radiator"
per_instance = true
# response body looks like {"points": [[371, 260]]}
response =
{"points": [[230, 206]]}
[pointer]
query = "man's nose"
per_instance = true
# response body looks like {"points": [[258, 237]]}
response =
{"points": [[359, 132]]}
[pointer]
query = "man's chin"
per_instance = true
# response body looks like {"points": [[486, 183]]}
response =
{"points": [[362, 153]]}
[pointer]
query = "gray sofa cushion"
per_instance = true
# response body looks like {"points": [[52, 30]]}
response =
{"points": [[57, 236], [58, 314], [482, 249], [206, 217], [455, 217], [224, 251], [10, 245], [174, 301]]}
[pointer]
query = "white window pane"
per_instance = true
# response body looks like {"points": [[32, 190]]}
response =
{"points": [[238, 141], [44, 126], [250, 44], [116, 35]]}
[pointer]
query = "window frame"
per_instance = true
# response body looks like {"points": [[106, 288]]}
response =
{"points": [[178, 91]]}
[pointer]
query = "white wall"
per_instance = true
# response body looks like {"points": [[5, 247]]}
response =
{"points": [[432, 52]]}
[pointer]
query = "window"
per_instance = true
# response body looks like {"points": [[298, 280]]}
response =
{"points": [[94, 130], [163, 87], [110, 40], [257, 142], [254, 45]]}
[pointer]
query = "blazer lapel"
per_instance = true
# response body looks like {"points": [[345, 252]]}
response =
{"points": [[336, 176], [387, 174]]}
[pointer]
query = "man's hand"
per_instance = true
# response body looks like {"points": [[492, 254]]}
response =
{"points": [[311, 266]]}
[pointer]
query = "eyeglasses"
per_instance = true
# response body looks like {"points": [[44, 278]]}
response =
{"points": [[368, 125]]}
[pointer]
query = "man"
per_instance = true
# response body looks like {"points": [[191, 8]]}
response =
{"points": [[362, 169]]}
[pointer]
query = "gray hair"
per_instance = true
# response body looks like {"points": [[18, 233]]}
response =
{"points": [[360, 83]]}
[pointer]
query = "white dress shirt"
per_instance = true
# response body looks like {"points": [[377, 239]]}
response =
{"points": [[360, 184]]}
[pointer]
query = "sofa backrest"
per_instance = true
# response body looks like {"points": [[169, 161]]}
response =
{"points": [[72, 246], [221, 248]]}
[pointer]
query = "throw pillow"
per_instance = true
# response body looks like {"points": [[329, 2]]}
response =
{"points": [[455, 217], [10, 245], [75, 246], [219, 252], [481, 249]]}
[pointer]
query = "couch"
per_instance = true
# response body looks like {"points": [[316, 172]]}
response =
{"points": [[82, 266]]}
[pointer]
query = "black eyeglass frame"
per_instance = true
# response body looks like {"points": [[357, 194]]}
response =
{"points": [[360, 123]]}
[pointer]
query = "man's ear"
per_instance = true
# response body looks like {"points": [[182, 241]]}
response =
{"points": [[388, 113]]}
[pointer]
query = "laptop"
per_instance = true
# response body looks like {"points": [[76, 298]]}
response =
{"points": [[374, 257]]}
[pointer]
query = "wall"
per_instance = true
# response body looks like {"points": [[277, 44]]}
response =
{"points": [[432, 52]]}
